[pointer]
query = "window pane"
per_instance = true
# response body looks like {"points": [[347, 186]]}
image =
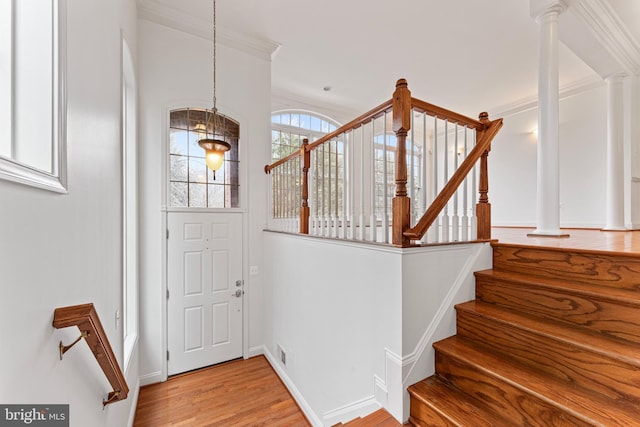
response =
{"points": [[285, 119], [295, 120], [315, 124], [5, 78], [179, 195], [197, 195], [178, 142], [194, 148], [325, 127], [197, 170], [178, 168], [305, 121], [275, 118], [233, 174], [216, 195], [178, 119]]}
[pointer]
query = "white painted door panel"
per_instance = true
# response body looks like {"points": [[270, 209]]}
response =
{"points": [[204, 258]]}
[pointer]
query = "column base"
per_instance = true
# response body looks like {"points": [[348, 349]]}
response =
{"points": [[614, 229], [547, 233]]}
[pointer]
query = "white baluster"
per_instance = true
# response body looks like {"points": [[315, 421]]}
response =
{"points": [[385, 186], [465, 196], [455, 219]]}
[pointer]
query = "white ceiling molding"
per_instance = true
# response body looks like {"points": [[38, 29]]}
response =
{"points": [[154, 11], [531, 103], [609, 30]]}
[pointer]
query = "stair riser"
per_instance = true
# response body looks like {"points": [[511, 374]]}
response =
{"points": [[579, 267], [511, 402], [608, 318], [425, 415], [615, 379]]}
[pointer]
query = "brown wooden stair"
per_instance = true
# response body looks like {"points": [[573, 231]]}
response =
{"points": [[552, 339]]}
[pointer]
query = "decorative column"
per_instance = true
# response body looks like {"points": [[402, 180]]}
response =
{"points": [[548, 212], [615, 153]]}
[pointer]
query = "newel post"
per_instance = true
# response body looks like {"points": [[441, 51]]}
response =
{"points": [[483, 207], [401, 125], [305, 156]]}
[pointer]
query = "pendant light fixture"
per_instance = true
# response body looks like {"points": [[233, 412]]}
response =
{"points": [[215, 146]]}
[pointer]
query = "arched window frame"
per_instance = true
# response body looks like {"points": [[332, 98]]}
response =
{"points": [[294, 130]]}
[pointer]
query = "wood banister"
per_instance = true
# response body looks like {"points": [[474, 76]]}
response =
{"points": [[482, 146], [305, 155], [85, 317], [443, 113], [401, 204]]}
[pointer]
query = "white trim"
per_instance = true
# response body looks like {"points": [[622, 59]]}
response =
{"points": [[603, 22], [176, 18], [15, 171], [255, 351], [134, 403], [350, 411], [447, 303], [152, 378], [531, 103], [299, 398]]}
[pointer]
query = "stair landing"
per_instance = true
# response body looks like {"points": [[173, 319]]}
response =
{"points": [[579, 238]]}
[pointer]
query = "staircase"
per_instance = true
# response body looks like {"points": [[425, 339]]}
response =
{"points": [[552, 339]]}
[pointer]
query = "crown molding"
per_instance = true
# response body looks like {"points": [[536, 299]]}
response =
{"points": [[153, 11], [610, 31], [531, 103]]}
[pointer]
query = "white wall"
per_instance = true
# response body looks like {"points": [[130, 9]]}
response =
{"points": [[335, 308], [512, 164], [175, 71], [60, 250], [434, 280]]}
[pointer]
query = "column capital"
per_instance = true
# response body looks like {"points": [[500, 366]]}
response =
{"points": [[615, 77], [541, 8]]}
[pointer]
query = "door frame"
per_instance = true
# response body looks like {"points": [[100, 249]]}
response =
{"points": [[165, 210]]}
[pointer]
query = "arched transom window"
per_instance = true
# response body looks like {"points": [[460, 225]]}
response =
{"points": [[191, 183], [290, 127]]}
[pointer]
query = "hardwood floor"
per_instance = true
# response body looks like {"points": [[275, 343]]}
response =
{"points": [[589, 239], [236, 393]]}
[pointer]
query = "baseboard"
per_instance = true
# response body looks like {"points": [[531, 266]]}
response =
{"points": [[134, 403], [255, 351], [353, 410], [152, 378], [300, 400]]}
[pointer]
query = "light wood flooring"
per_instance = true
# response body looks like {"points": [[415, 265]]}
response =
{"points": [[236, 393], [590, 239]]}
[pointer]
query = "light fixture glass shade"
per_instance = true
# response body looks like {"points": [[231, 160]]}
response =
{"points": [[214, 152]]}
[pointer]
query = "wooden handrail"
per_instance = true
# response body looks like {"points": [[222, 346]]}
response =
{"points": [[443, 113], [403, 106], [482, 147], [85, 317]]}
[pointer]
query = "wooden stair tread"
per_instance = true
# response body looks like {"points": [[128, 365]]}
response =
{"points": [[618, 295], [585, 340], [379, 418], [581, 404], [453, 404]]}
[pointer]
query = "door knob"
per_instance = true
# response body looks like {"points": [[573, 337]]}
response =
{"points": [[238, 293]]}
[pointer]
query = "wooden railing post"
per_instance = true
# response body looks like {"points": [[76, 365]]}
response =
{"points": [[305, 156], [483, 207], [401, 125]]}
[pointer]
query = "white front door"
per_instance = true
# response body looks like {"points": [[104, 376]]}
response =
{"points": [[204, 258]]}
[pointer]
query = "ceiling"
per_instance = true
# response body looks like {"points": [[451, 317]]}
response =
{"points": [[464, 55]]}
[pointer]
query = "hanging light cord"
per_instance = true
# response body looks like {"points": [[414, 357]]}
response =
{"points": [[214, 67]]}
